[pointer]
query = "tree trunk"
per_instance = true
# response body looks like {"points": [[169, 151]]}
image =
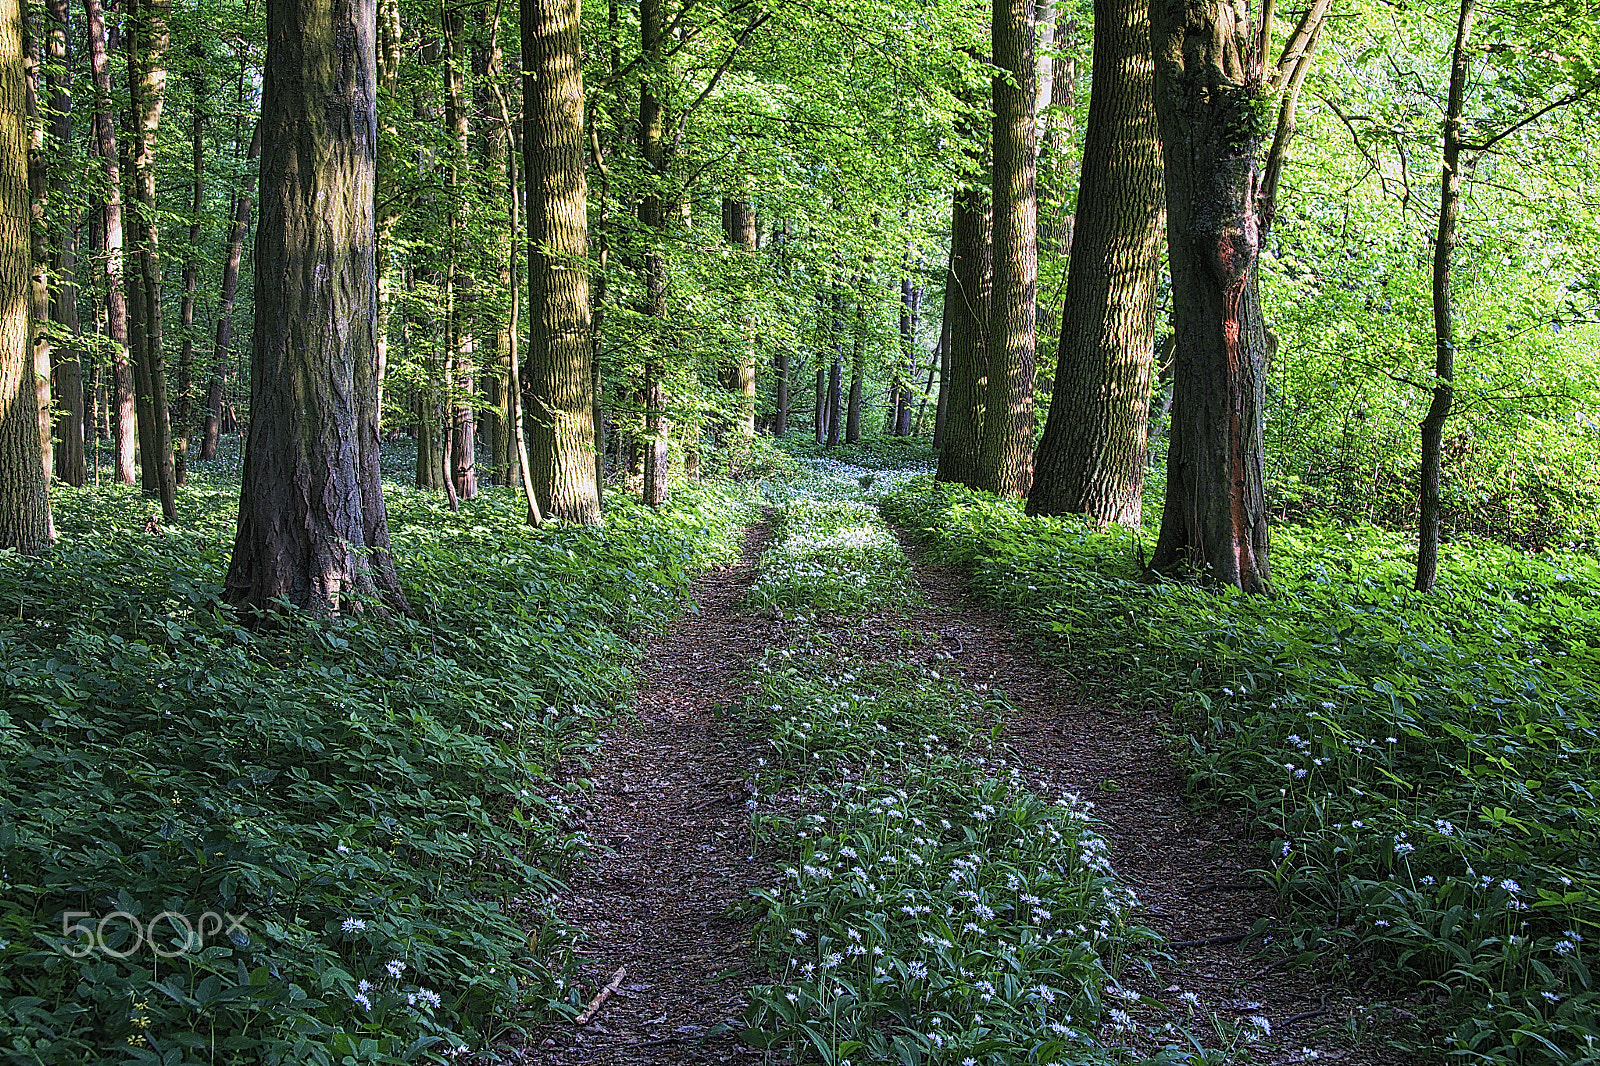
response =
{"points": [[124, 422], [313, 529], [1091, 458], [147, 78], [741, 379], [820, 421], [39, 272], [967, 321], [462, 381], [1444, 340], [1005, 460], [561, 439], [858, 369], [652, 216], [835, 372], [910, 304], [67, 366], [184, 418], [25, 522], [1059, 175], [1210, 103], [940, 364], [230, 290]]}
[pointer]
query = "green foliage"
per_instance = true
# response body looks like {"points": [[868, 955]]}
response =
{"points": [[373, 801], [1422, 770], [936, 910]]}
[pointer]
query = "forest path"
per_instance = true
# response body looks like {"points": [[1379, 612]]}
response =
{"points": [[668, 804], [1190, 868]]}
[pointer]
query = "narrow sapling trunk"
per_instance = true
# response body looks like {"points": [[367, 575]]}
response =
{"points": [[70, 428], [1444, 343], [239, 229]]}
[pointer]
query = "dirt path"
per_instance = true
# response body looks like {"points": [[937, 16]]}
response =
{"points": [[1190, 869], [668, 799]]}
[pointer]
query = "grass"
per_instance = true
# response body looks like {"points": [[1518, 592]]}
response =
{"points": [[1421, 771], [336, 842]]}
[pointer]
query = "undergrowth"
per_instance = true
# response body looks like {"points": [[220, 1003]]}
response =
{"points": [[1422, 770], [935, 909], [325, 843]]}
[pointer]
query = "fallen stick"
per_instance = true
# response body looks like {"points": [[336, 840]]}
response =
{"points": [[1233, 938], [600, 999]]}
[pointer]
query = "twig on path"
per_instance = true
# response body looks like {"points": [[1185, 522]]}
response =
{"points": [[1233, 938], [600, 999], [1291, 1019]]}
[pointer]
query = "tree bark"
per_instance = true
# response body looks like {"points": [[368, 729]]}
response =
{"points": [[561, 439], [1211, 106], [1444, 341], [67, 366], [240, 227], [967, 321], [313, 529], [1005, 460], [1091, 459], [39, 273], [25, 522], [462, 381], [123, 421], [858, 370], [741, 380], [652, 216], [184, 417], [147, 78]]}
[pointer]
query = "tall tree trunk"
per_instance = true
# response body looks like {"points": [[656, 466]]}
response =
{"points": [[1091, 458], [820, 422], [120, 393], [1209, 104], [67, 365], [184, 417], [39, 295], [147, 78], [240, 226], [392, 202], [858, 371], [463, 378], [25, 522], [561, 444], [313, 528], [741, 380], [1005, 460], [910, 304], [1444, 340], [652, 216], [835, 372], [967, 295], [1058, 169]]}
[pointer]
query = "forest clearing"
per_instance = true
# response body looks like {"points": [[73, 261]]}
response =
{"points": [[951, 534]]}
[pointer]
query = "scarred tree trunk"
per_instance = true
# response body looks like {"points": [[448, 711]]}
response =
{"points": [[147, 78], [1211, 108], [124, 424], [1005, 459], [561, 439], [67, 366], [1091, 458], [24, 489], [313, 529], [230, 289]]}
